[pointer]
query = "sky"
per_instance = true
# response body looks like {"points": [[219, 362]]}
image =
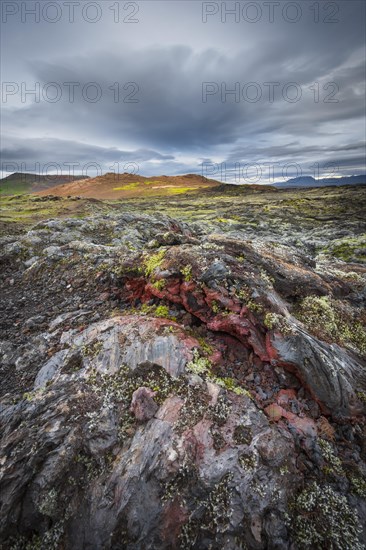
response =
{"points": [[243, 92]]}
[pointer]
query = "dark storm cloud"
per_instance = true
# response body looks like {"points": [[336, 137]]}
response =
{"points": [[164, 109], [74, 156]]}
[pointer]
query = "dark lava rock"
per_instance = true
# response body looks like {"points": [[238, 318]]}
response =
{"points": [[143, 405]]}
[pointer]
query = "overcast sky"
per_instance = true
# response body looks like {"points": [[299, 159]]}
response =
{"points": [[276, 89]]}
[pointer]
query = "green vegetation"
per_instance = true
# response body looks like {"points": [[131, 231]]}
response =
{"points": [[277, 321], [128, 186], [329, 320], [187, 273], [231, 385], [180, 190], [349, 249], [205, 347], [216, 514], [156, 311], [248, 462], [159, 284], [334, 464], [321, 518], [153, 262], [92, 350], [161, 311], [358, 486], [14, 187], [214, 306], [203, 367], [199, 365]]}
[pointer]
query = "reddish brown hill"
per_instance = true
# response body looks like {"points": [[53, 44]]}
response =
{"points": [[116, 186]]}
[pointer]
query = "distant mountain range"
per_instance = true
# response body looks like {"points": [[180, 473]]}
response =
{"points": [[117, 186], [309, 181], [20, 183]]}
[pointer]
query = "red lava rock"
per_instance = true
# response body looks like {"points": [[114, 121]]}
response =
{"points": [[242, 324], [174, 516], [135, 288], [284, 396], [304, 426], [241, 328], [216, 357], [223, 301], [170, 409], [274, 412], [142, 405]]}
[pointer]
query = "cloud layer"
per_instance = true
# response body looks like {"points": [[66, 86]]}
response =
{"points": [[169, 92]]}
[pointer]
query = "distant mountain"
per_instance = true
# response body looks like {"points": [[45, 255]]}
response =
{"points": [[20, 183], [125, 186], [117, 186], [309, 181]]}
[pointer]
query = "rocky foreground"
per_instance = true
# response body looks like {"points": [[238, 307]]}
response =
{"points": [[186, 374]]}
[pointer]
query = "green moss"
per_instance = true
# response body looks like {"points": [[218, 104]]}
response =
{"points": [[161, 311], [152, 262], [270, 321], [358, 486], [205, 347], [48, 504], [156, 311], [329, 320], [267, 278], [130, 245], [242, 435], [318, 314], [243, 293], [231, 385], [321, 518], [152, 182], [92, 350], [179, 190], [254, 306], [127, 187], [223, 220], [361, 395], [32, 395], [199, 365], [187, 273], [334, 464], [277, 321], [247, 462], [349, 248], [214, 306], [123, 270], [159, 285], [203, 367], [215, 516]]}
